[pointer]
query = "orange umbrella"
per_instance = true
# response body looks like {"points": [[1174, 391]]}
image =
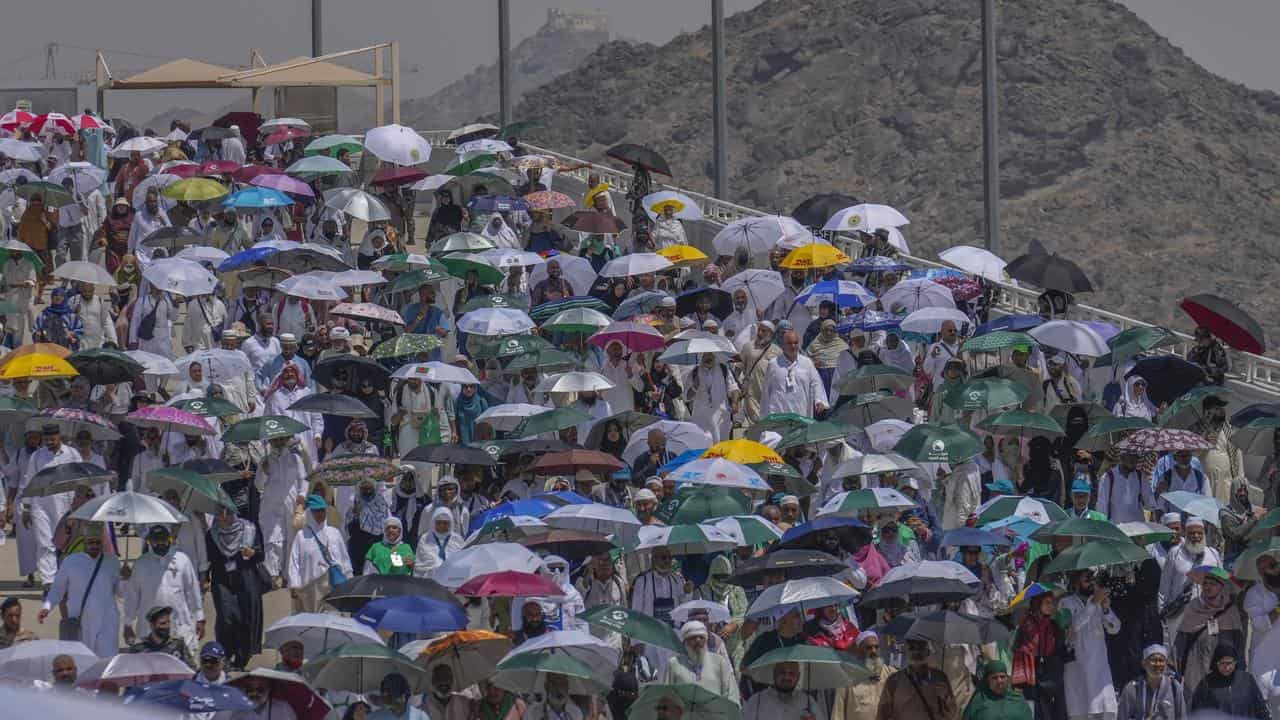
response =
{"points": [[472, 655]]}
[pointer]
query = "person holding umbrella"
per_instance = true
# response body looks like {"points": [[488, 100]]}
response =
{"points": [[996, 699], [783, 700], [395, 694], [1208, 353], [164, 576], [265, 707], [88, 582]]}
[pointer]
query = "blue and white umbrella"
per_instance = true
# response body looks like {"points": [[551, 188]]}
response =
{"points": [[870, 320], [719, 472], [844, 293], [877, 264]]}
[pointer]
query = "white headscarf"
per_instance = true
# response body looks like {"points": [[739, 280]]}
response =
{"points": [[497, 230], [1130, 405]]}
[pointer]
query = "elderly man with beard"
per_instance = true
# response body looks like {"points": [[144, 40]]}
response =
{"points": [[783, 700], [918, 690], [696, 666], [792, 383], [1157, 694], [149, 218], [1175, 591], [712, 395], [657, 591], [860, 700]]}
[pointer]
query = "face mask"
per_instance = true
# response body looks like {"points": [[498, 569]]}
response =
{"points": [[160, 548], [534, 627], [557, 698], [162, 634]]}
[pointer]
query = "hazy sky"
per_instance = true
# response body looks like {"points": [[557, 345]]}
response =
{"points": [[443, 39]]}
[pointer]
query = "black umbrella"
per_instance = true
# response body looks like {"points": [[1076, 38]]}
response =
{"points": [[790, 564], [1249, 413], [211, 133], [568, 544], [354, 367], [598, 223], [304, 260], [450, 453], [1167, 376], [212, 468], [333, 404], [815, 211], [634, 155], [352, 595], [532, 446], [103, 366], [721, 301], [174, 237], [1050, 272], [946, 627], [918, 590], [65, 478]]}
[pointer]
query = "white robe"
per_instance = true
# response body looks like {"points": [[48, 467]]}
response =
{"points": [[1259, 601], [598, 410], [293, 318], [1174, 575], [143, 463], [433, 549], [99, 615], [707, 394], [792, 386], [144, 223], [161, 342], [278, 404], [17, 271], [936, 358], [964, 494], [621, 397], [15, 475], [47, 511], [1089, 676], [260, 351], [204, 313], [306, 561], [95, 315], [282, 479], [170, 580]]}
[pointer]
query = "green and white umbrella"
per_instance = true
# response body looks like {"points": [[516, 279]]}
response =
{"points": [[986, 394], [814, 433], [499, 301], [821, 668], [996, 341], [527, 674], [1129, 343], [932, 442], [875, 464], [208, 407], [550, 421], [632, 624], [1022, 424], [460, 264], [699, 539], [872, 407], [857, 502], [697, 503], [1146, 533], [749, 529], [1245, 566], [874, 378], [550, 360], [578, 320], [266, 427], [1003, 506], [781, 423], [462, 242], [1073, 529], [1096, 555], [686, 702]]}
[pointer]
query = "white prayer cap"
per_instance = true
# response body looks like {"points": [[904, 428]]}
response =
{"points": [[288, 338], [1170, 517], [912, 483], [790, 500], [667, 302], [866, 635], [693, 628], [645, 494], [770, 438], [1156, 649], [1193, 522], [766, 324]]}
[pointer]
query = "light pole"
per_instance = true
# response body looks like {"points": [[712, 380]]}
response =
{"points": [[504, 62], [317, 46], [720, 128], [990, 128]]}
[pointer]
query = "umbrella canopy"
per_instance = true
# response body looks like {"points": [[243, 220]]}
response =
{"points": [[264, 427], [196, 492], [1095, 555], [495, 321], [36, 366], [929, 321], [397, 144], [821, 668], [574, 382], [351, 469], [700, 503], [71, 421], [1110, 431], [1003, 506], [910, 295], [945, 627], [986, 394], [180, 277], [1188, 410], [471, 655], [489, 558], [976, 261], [874, 378], [412, 614], [817, 209], [317, 166], [720, 472], [360, 668], [844, 293], [352, 595], [170, 419], [1157, 440], [129, 507], [857, 502], [436, 372], [367, 311], [852, 533], [874, 464], [1168, 376], [692, 701], [743, 451], [683, 539], [1245, 566], [866, 217], [1049, 271], [997, 340], [549, 200], [319, 632], [578, 320], [1202, 506], [333, 404], [750, 529], [632, 624], [1143, 338], [550, 421], [305, 702], [30, 660], [813, 256], [332, 145], [103, 366], [1257, 437], [132, 669], [509, 583], [929, 582], [194, 189], [1020, 423], [931, 442], [570, 461], [189, 696], [65, 478], [450, 454], [635, 264], [595, 223], [257, 197], [1078, 528], [973, 537], [791, 564], [357, 203], [640, 156], [805, 594], [1226, 320], [1071, 336]]}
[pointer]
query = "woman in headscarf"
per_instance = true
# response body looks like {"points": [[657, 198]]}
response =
{"points": [[500, 234], [1227, 688], [1008, 463], [468, 406], [825, 350], [1134, 402], [1042, 475], [59, 323], [1237, 520], [237, 583], [390, 555], [1039, 659], [436, 545], [408, 504], [365, 518], [895, 352], [114, 236], [1210, 619], [718, 589], [267, 231], [612, 441], [446, 219]]}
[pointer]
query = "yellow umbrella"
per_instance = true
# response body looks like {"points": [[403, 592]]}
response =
{"points": [[194, 189], [589, 200], [813, 255], [683, 254], [746, 452], [37, 366]]}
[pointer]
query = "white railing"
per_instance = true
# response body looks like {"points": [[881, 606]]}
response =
{"points": [[1254, 372]]}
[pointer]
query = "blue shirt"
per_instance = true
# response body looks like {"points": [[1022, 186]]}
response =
{"points": [[276, 364], [433, 318]]}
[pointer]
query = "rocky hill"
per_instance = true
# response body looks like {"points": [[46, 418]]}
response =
{"points": [[1159, 177], [558, 47]]}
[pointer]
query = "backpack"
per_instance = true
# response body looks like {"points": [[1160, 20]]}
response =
{"points": [[55, 330]]}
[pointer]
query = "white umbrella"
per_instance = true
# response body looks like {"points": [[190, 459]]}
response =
{"points": [[85, 272], [505, 417], [576, 381], [681, 437], [870, 499], [219, 364], [470, 129], [436, 372], [178, 134], [202, 254], [319, 632], [928, 321], [29, 702], [913, 294], [153, 364], [635, 264], [484, 559], [798, 240], [141, 144], [86, 177], [803, 594], [284, 122], [358, 278], [874, 465], [495, 321], [577, 270], [757, 234], [596, 518], [432, 182], [762, 286], [689, 209], [483, 146], [1071, 336], [21, 151], [13, 175], [31, 660], [312, 286], [180, 277], [718, 472], [898, 240], [1202, 506], [977, 261], [716, 612], [577, 644], [129, 507], [128, 669], [690, 352], [503, 258], [885, 434], [462, 242], [867, 217], [397, 144], [695, 539], [158, 182], [357, 203]]}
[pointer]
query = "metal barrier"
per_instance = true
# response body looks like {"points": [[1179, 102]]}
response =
{"points": [[1250, 372]]}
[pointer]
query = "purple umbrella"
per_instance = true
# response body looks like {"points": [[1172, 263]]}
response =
{"points": [[171, 419], [284, 183]]}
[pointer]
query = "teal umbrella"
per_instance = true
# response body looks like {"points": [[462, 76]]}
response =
{"points": [[511, 346], [550, 421], [1129, 343], [265, 427], [998, 340], [1096, 555], [1188, 409], [931, 442], [873, 378], [317, 165], [1110, 431], [694, 504], [986, 394], [632, 624], [1021, 423]]}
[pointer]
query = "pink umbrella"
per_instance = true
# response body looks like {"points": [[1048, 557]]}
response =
{"points": [[634, 336], [54, 122], [284, 184], [286, 134], [510, 583], [184, 170], [15, 119], [170, 419], [548, 200], [219, 167], [249, 172]]}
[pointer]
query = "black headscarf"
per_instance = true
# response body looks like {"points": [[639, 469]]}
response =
{"points": [[1235, 694]]}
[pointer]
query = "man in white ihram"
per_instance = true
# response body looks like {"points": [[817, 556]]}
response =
{"points": [[792, 383], [1091, 695], [164, 577], [712, 394], [946, 348], [90, 597], [47, 511], [784, 700]]}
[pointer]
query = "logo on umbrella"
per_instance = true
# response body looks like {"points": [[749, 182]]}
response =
{"points": [[498, 300], [854, 220], [273, 425], [492, 450], [618, 616], [975, 395], [415, 155], [513, 344], [938, 449], [196, 406]]}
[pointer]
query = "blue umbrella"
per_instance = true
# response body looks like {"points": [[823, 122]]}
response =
{"points": [[563, 497], [869, 320], [1012, 323], [936, 274], [877, 264], [641, 304], [257, 197], [1021, 527], [844, 293], [532, 508], [190, 696], [683, 458], [246, 258], [851, 531], [412, 614], [973, 537], [497, 203]]}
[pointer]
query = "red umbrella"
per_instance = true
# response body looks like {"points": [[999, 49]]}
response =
{"points": [[185, 170], [85, 121], [305, 702], [56, 122], [1226, 320], [510, 583], [285, 134], [15, 119], [219, 167], [248, 123], [395, 175], [573, 460], [249, 172]]}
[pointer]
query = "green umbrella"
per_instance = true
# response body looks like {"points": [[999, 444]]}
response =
{"points": [[460, 266], [316, 166], [1128, 343], [1245, 566], [208, 407], [694, 702], [511, 346], [405, 345], [779, 423], [1258, 437], [932, 442], [407, 262], [54, 195], [478, 162], [103, 366], [821, 668], [549, 360], [263, 428], [815, 433], [1095, 555], [986, 394], [1187, 410], [695, 504], [526, 673], [634, 625], [331, 145], [750, 529], [1108, 432], [998, 340], [196, 492], [550, 421], [855, 501], [1076, 528], [550, 309], [873, 378], [415, 279], [495, 301], [872, 407], [776, 469], [518, 129], [18, 248], [1266, 524], [1021, 423], [1038, 509], [578, 320], [15, 409]]}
